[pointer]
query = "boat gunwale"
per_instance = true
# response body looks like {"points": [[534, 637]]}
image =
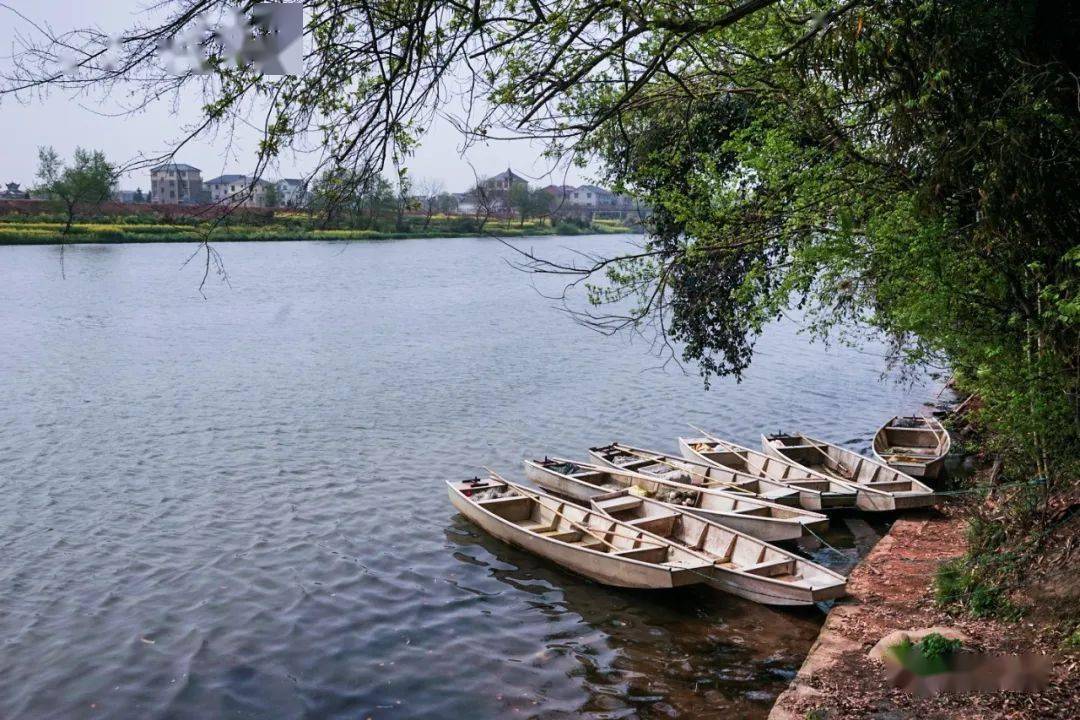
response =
{"points": [[699, 463], [810, 491], [943, 447], [758, 541], [803, 517], [860, 486], [656, 566]]}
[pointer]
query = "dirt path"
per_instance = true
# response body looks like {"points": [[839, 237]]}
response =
{"points": [[891, 590]]}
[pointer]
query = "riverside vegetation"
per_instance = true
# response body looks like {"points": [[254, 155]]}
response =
{"points": [[47, 228]]}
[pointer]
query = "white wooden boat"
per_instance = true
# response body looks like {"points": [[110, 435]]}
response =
{"points": [[764, 520], [676, 469], [742, 565], [879, 486], [914, 445], [579, 539], [816, 491]]}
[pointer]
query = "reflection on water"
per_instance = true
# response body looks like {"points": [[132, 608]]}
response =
{"points": [[234, 506], [690, 652]]}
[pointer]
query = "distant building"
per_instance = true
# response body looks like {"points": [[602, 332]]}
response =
{"points": [[591, 196], [176, 184], [12, 192], [503, 181], [292, 193], [560, 195], [239, 189], [466, 202]]}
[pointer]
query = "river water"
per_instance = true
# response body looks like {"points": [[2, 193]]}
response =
{"points": [[234, 506]]}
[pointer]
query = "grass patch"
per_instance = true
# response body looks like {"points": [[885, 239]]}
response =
{"points": [[930, 656]]}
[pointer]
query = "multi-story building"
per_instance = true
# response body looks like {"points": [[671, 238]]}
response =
{"points": [[176, 184], [241, 190]]}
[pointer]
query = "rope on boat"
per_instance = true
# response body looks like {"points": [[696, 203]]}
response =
{"points": [[990, 488], [825, 542]]}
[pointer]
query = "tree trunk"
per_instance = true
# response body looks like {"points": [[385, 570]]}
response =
{"points": [[70, 217]]}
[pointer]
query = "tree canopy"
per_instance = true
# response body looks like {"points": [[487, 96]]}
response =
{"points": [[85, 184]]}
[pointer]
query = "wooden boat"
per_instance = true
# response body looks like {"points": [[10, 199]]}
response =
{"points": [[675, 469], [879, 486], [914, 445], [816, 491], [579, 539], [741, 564], [764, 520]]}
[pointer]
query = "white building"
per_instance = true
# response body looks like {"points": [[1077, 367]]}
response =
{"points": [[238, 189], [292, 193]]}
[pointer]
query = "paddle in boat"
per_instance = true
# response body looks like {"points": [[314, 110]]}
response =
{"points": [[579, 539], [914, 445], [815, 491], [675, 469], [880, 488], [741, 565], [764, 520]]}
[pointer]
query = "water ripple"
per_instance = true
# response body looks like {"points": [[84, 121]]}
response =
{"points": [[234, 507]]}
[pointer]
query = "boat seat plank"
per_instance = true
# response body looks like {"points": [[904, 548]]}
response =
{"points": [[771, 568], [652, 519], [540, 527], [758, 511], [562, 535], [645, 554], [619, 504]]}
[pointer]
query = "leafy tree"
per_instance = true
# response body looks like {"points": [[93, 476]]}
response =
{"points": [[403, 201], [519, 200], [446, 203], [540, 203], [272, 195], [85, 185]]}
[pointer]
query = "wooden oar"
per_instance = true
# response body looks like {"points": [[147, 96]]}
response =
{"points": [[708, 482], [708, 435], [584, 528]]}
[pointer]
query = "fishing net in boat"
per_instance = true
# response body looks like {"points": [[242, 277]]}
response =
{"points": [[679, 476], [677, 497]]}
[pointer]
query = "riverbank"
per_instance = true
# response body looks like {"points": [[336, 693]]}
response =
{"points": [[39, 223], [101, 233], [893, 589]]}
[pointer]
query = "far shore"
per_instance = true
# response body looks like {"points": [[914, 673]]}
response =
{"points": [[283, 227], [262, 236]]}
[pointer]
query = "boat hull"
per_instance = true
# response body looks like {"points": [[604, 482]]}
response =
{"points": [[763, 528], [867, 498], [807, 499], [596, 566], [740, 564], [759, 590], [919, 434]]}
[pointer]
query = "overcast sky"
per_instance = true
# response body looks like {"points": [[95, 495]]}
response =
{"points": [[65, 122]]}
